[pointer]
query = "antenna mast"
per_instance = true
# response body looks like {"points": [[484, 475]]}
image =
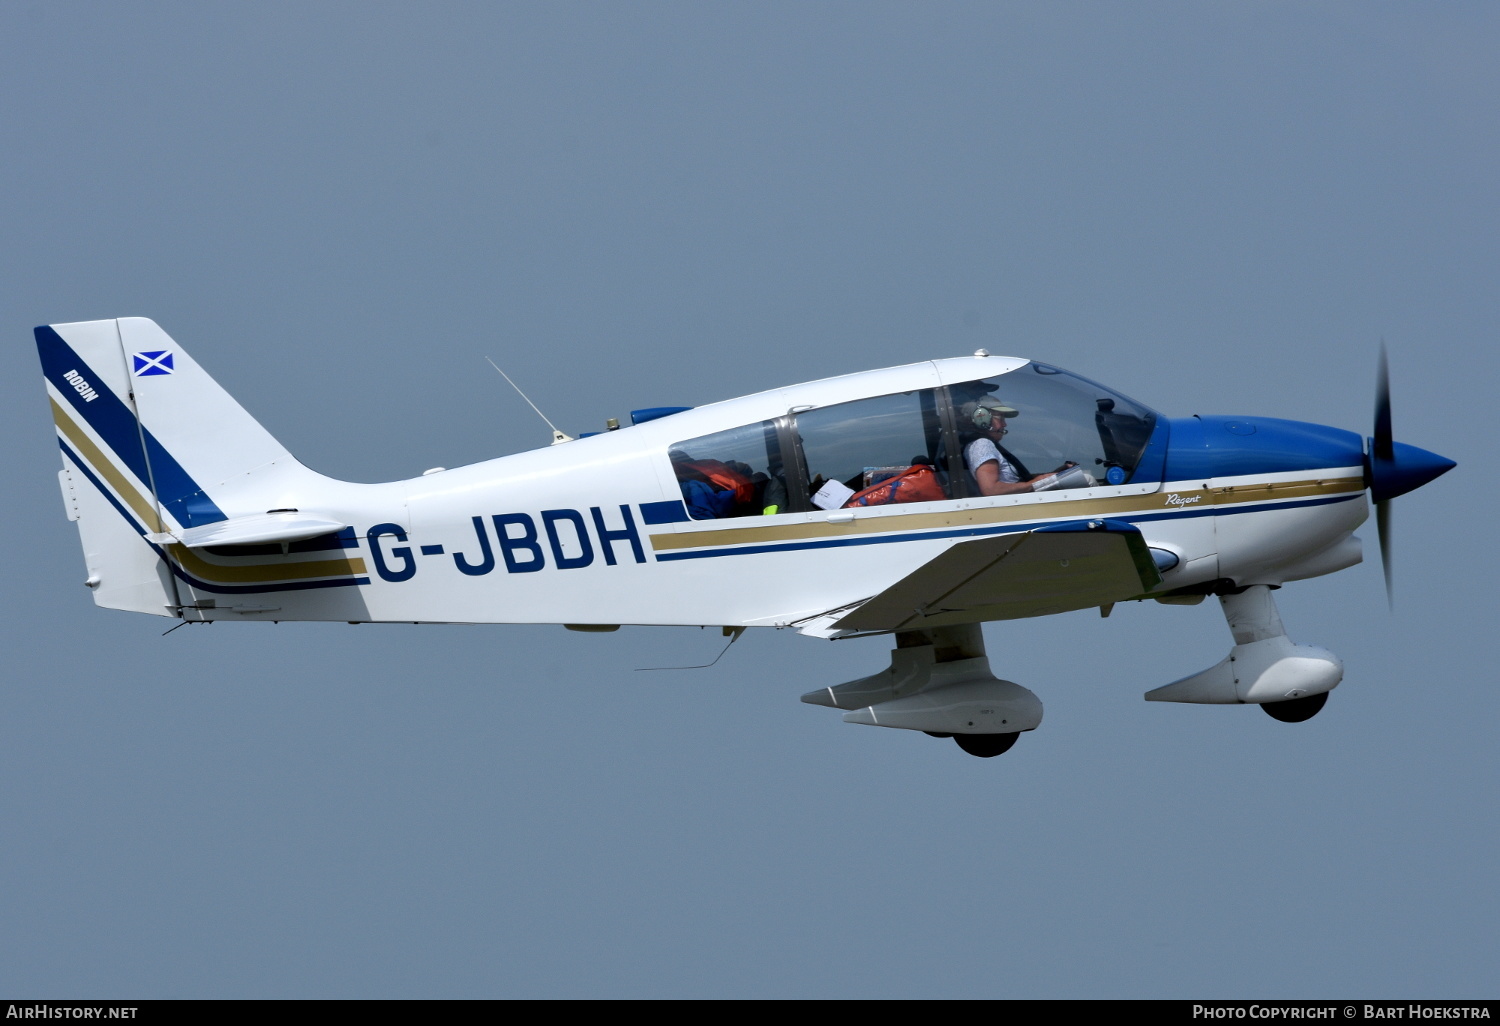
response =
{"points": [[557, 436]]}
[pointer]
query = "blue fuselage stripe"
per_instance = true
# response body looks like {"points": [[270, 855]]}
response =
{"points": [[974, 532]]}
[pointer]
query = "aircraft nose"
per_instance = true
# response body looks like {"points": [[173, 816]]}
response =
{"points": [[1408, 469], [1208, 447]]}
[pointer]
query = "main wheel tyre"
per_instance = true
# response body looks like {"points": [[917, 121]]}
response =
{"points": [[1295, 710], [986, 746]]}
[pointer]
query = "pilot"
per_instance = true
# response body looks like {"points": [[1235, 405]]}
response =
{"points": [[995, 474]]}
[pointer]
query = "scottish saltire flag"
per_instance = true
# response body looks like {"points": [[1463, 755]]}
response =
{"points": [[147, 364]]}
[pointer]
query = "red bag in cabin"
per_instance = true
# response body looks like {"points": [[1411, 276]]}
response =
{"points": [[723, 477], [918, 484]]}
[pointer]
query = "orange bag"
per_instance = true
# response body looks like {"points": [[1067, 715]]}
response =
{"points": [[723, 477], [918, 484]]}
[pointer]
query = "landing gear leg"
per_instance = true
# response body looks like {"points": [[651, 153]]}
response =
{"points": [[939, 682]]}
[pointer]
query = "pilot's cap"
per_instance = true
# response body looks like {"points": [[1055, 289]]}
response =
{"points": [[981, 411]]}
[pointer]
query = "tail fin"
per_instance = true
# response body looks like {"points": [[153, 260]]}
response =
{"points": [[146, 431]]}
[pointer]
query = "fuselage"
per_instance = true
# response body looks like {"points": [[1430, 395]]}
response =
{"points": [[605, 530]]}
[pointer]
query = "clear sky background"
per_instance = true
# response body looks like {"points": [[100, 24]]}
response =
{"points": [[341, 209]]}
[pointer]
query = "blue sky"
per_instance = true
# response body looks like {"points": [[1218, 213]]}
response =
{"points": [[341, 209]]}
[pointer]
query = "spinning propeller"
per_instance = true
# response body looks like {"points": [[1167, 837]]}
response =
{"points": [[1394, 468]]}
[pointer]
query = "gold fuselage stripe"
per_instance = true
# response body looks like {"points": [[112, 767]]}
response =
{"points": [[86, 448], [258, 573], [1151, 502], [186, 557]]}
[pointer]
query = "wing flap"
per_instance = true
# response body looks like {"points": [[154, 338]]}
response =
{"points": [[1011, 576]]}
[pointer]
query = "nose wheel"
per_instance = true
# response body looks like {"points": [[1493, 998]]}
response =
{"points": [[1295, 710]]}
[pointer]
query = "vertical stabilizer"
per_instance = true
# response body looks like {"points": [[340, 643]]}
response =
{"points": [[151, 446]]}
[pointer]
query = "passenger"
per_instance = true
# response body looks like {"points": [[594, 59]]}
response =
{"points": [[993, 473]]}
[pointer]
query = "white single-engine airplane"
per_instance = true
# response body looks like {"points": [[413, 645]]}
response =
{"points": [[917, 501]]}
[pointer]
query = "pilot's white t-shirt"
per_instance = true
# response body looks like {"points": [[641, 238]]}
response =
{"points": [[981, 451]]}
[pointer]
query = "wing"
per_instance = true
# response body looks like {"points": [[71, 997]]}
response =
{"points": [[1007, 577]]}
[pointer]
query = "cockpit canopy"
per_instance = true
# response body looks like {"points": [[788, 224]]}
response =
{"points": [[908, 446]]}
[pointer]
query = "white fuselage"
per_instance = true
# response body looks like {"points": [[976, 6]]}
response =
{"points": [[568, 539]]}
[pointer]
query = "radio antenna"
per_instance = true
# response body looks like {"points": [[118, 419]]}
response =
{"points": [[557, 436]]}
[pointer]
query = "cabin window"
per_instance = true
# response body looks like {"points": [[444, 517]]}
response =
{"points": [[878, 451], [1060, 418], [734, 473]]}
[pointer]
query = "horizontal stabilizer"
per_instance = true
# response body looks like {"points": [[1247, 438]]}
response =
{"points": [[1052, 569], [258, 529]]}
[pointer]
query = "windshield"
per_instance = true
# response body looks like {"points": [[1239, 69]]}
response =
{"points": [[1058, 418]]}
